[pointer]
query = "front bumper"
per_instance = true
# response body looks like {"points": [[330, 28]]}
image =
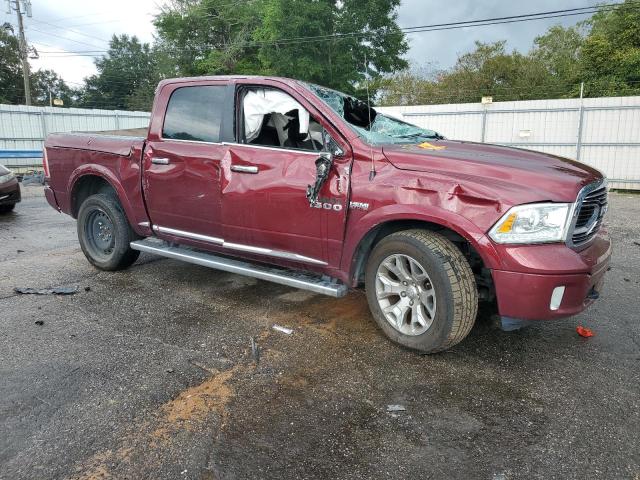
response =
{"points": [[10, 193], [527, 293]]}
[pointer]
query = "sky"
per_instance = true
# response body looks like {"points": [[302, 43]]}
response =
{"points": [[87, 25]]}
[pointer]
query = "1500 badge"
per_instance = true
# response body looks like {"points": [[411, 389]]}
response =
{"points": [[335, 205], [328, 204]]}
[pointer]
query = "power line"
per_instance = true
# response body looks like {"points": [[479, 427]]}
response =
{"points": [[71, 30], [407, 30], [65, 38]]}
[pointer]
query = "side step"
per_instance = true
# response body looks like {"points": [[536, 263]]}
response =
{"points": [[291, 278]]}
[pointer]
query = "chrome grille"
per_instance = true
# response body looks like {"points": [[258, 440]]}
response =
{"points": [[590, 209]]}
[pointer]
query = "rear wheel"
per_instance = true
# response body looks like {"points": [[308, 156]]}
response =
{"points": [[104, 233], [421, 290], [7, 208]]}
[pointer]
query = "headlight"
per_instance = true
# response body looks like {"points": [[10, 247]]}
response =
{"points": [[533, 223], [7, 177]]}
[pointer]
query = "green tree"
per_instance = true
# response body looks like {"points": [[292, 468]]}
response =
{"points": [[263, 37], [559, 51], [11, 83], [348, 33], [48, 82], [610, 55], [411, 86], [126, 79], [489, 70], [208, 36]]}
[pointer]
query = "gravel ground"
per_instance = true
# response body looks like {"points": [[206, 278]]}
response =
{"points": [[149, 373]]}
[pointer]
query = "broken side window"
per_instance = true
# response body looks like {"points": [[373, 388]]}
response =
{"points": [[271, 117], [374, 127]]}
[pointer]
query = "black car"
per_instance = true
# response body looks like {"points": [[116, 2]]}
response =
{"points": [[9, 190]]}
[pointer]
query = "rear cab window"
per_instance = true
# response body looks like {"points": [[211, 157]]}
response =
{"points": [[195, 113]]}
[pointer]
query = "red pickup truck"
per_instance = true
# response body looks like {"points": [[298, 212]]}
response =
{"points": [[308, 187]]}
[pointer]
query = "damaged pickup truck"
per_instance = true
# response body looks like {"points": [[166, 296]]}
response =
{"points": [[308, 187]]}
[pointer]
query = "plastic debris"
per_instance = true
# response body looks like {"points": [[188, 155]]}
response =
{"points": [[584, 332], [508, 324], [396, 408], [39, 322], [286, 330], [46, 291]]}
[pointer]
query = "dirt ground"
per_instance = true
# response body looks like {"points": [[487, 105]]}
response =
{"points": [[149, 373]]}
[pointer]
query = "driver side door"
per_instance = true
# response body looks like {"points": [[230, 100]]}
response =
{"points": [[265, 210]]}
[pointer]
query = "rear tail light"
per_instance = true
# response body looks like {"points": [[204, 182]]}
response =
{"points": [[45, 163]]}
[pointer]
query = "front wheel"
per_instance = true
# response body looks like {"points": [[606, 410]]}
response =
{"points": [[105, 234], [421, 290], [7, 208]]}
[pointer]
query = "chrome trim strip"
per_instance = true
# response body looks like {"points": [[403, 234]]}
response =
{"points": [[272, 253], [144, 224], [188, 141], [240, 247], [244, 168], [193, 236], [160, 161], [264, 147], [301, 280]]}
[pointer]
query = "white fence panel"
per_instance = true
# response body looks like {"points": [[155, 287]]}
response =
{"points": [[24, 128], [601, 132]]}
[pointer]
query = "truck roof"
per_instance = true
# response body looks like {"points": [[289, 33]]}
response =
{"points": [[169, 81]]}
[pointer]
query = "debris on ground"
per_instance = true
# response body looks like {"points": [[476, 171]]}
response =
{"points": [[286, 330], [584, 332], [255, 350], [46, 291], [169, 370], [508, 324], [19, 251], [636, 243], [87, 289], [396, 408], [39, 322]]}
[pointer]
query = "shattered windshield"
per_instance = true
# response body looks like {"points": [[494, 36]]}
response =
{"points": [[375, 128]]}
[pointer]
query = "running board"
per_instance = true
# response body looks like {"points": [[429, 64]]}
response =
{"points": [[291, 278]]}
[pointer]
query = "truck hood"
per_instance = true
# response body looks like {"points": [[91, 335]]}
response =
{"points": [[522, 176]]}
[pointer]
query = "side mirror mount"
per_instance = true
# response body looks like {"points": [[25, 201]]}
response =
{"points": [[323, 167], [330, 145]]}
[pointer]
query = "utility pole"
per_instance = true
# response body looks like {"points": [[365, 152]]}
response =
{"points": [[24, 48]]}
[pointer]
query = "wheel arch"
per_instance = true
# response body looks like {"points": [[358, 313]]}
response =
{"points": [[84, 187], [474, 246], [91, 179]]}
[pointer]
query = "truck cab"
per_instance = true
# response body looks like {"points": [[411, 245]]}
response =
{"points": [[309, 187]]}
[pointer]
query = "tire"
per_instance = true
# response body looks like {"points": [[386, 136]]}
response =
{"points": [[440, 287], [104, 233], [7, 208]]}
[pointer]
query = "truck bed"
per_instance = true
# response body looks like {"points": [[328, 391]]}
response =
{"points": [[114, 160], [104, 142]]}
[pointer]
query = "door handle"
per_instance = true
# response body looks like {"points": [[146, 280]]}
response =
{"points": [[244, 168], [160, 161]]}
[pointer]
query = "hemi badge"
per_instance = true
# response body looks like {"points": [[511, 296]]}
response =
{"points": [[359, 205]]}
